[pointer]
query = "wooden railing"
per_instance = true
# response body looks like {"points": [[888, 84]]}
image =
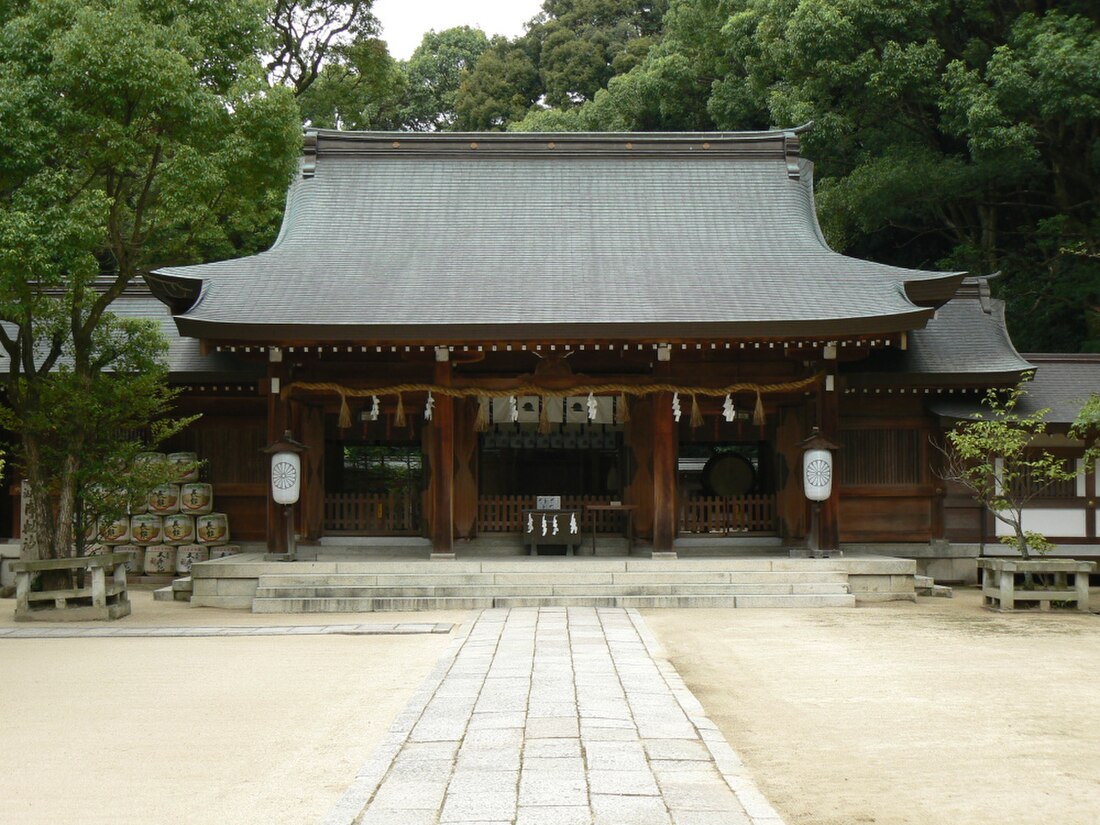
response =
{"points": [[377, 514], [504, 514], [728, 514]]}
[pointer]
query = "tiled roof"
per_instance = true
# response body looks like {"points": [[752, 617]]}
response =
{"points": [[397, 236], [1062, 383], [965, 343]]}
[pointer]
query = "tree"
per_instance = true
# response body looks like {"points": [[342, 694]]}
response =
{"points": [[308, 33], [993, 457], [568, 54], [113, 161], [434, 73], [361, 87]]}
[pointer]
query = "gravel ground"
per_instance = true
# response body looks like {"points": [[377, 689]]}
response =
{"points": [[901, 713], [142, 731]]}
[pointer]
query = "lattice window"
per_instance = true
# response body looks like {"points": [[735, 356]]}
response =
{"points": [[881, 457]]}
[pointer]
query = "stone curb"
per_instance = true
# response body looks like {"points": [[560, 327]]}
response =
{"points": [[729, 764], [370, 776], [193, 632]]}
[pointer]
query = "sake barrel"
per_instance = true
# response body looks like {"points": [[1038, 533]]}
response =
{"points": [[196, 499], [115, 532], [160, 558], [139, 506], [212, 528], [179, 529], [224, 551], [188, 554], [135, 557], [186, 466], [146, 529], [165, 499], [144, 459]]}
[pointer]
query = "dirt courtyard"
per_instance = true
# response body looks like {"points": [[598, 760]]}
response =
{"points": [[937, 713]]}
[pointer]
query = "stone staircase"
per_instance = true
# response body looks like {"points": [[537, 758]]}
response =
{"points": [[586, 582]]}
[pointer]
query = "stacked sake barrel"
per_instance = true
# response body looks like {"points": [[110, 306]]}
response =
{"points": [[176, 526]]}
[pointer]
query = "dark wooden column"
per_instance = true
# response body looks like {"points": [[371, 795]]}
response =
{"points": [[277, 422], [310, 427], [665, 451], [466, 456], [828, 416], [442, 436]]}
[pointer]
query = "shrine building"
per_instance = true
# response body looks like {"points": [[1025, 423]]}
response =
{"points": [[643, 327]]}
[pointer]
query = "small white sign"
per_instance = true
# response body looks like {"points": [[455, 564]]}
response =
{"points": [[548, 502]]}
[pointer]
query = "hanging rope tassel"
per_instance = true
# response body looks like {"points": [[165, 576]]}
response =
{"points": [[696, 413], [399, 416], [624, 409], [481, 422], [758, 412], [345, 412], [544, 416]]}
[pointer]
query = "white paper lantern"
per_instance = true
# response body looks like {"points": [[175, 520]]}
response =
{"points": [[286, 477], [817, 474]]}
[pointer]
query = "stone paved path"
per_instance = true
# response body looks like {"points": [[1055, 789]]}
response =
{"points": [[554, 716], [289, 630]]}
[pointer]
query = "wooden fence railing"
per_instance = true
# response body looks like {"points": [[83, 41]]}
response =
{"points": [[728, 514], [398, 513], [379, 514], [504, 514]]}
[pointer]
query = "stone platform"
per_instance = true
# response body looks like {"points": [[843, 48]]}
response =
{"points": [[342, 582]]}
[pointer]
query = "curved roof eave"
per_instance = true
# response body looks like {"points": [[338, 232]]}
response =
{"points": [[832, 328]]}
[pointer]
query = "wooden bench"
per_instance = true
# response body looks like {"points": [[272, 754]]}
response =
{"points": [[97, 599]]}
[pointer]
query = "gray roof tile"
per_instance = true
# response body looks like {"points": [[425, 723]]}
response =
{"points": [[373, 245]]}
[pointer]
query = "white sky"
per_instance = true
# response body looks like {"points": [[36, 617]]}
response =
{"points": [[404, 22]]}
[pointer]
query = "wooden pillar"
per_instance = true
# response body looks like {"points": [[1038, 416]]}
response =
{"points": [[310, 422], [665, 451], [442, 435], [828, 416], [466, 455], [276, 426]]}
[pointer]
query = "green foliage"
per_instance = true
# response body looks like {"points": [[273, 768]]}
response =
{"points": [[993, 457], [434, 73], [115, 160], [569, 53], [500, 89], [362, 87]]}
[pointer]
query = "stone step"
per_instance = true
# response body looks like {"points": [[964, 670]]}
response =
{"points": [[651, 588], [366, 605], [164, 594], [926, 586], [576, 577]]}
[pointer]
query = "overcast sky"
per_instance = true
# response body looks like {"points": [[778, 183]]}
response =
{"points": [[404, 22]]}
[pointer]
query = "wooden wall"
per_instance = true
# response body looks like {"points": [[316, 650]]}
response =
{"points": [[888, 492]]}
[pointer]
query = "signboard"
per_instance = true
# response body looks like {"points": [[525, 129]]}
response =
{"points": [[548, 502]]}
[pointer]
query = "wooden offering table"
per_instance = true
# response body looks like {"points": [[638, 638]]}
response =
{"points": [[544, 527], [627, 511]]}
